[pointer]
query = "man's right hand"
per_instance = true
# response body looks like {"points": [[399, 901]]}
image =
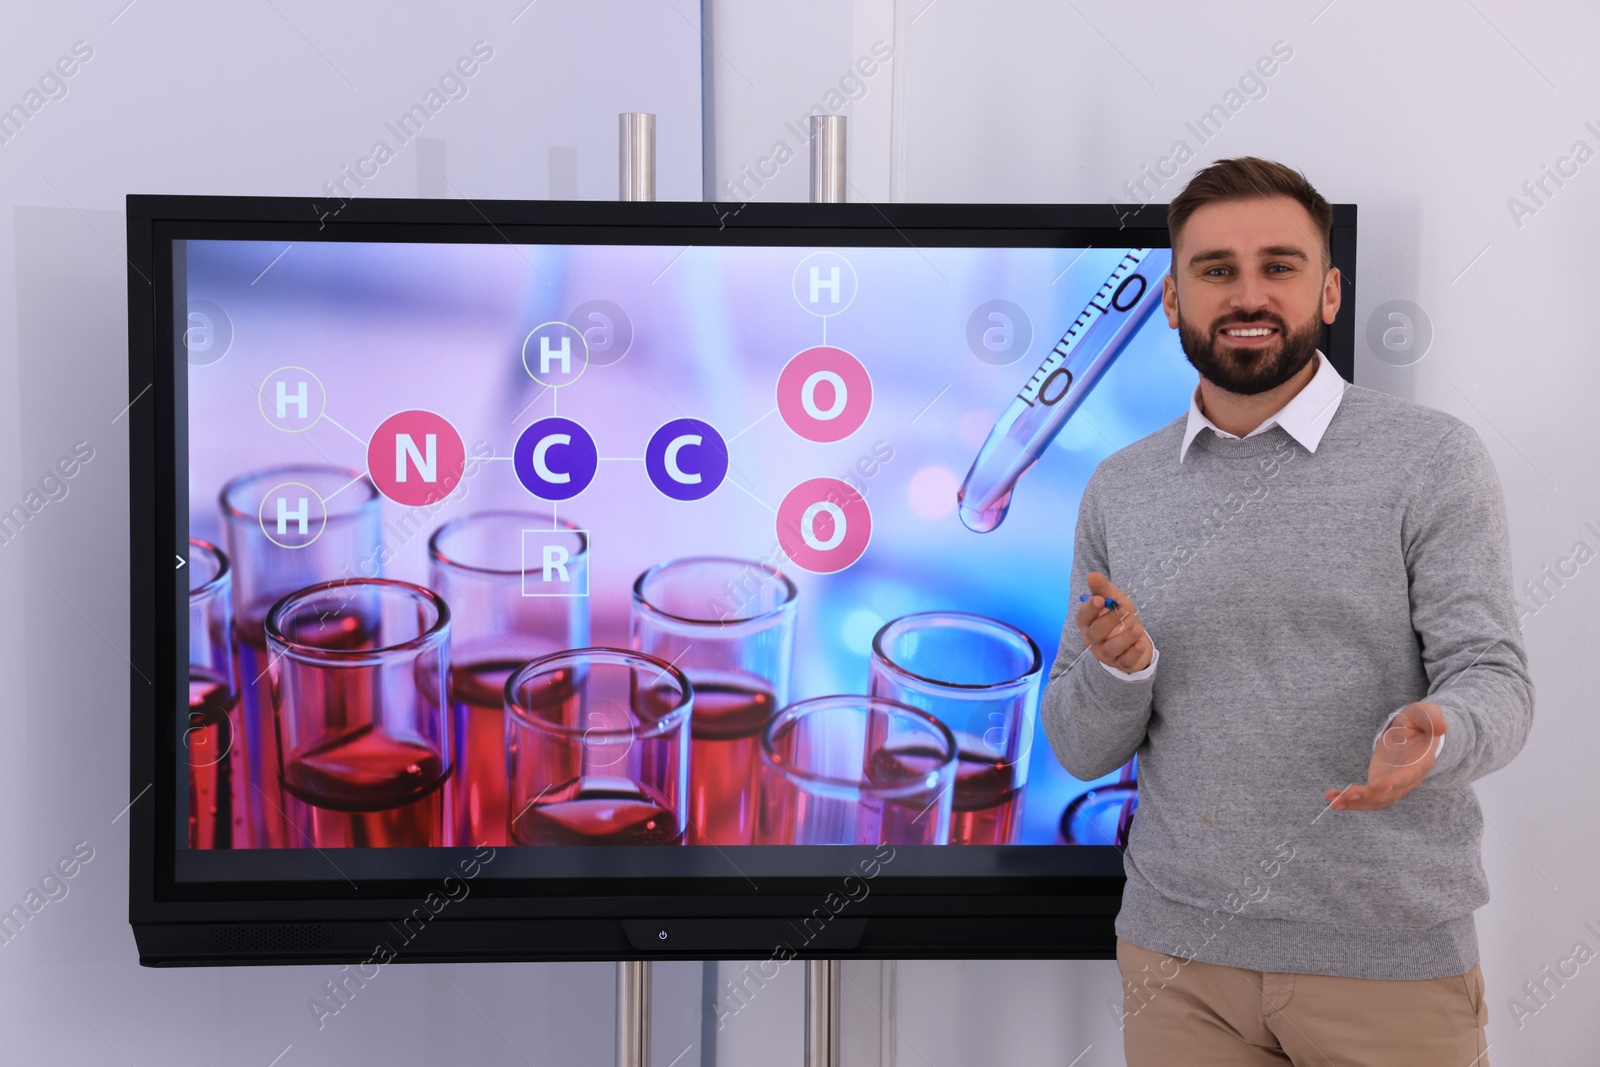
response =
{"points": [[1114, 635]]}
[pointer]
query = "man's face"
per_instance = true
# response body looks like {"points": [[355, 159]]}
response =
{"points": [[1248, 294]]}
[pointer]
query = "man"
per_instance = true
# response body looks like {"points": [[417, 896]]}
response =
{"points": [[1297, 611]]}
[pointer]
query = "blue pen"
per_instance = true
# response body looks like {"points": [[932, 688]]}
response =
{"points": [[1109, 602]]}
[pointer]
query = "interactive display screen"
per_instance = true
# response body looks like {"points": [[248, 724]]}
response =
{"points": [[644, 545]]}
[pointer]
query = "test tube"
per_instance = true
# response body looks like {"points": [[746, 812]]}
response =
{"points": [[729, 625], [1102, 816], [1059, 385], [855, 770], [476, 564], [980, 677], [598, 742], [216, 783], [347, 545], [359, 671]]}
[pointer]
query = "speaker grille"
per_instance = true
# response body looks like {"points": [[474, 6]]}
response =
{"points": [[274, 937]]}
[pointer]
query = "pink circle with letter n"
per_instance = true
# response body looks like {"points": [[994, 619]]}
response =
{"points": [[824, 525], [416, 458], [824, 394]]}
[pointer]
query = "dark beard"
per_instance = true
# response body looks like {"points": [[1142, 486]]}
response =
{"points": [[1249, 374]]}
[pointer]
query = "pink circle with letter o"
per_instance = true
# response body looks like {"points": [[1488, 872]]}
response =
{"points": [[416, 458], [824, 394], [824, 525]]}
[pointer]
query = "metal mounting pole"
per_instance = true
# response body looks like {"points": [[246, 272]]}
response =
{"points": [[636, 156], [633, 1013], [823, 978], [827, 159]]}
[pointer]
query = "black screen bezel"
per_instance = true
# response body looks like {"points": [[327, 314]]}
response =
{"points": [[932, 913]]}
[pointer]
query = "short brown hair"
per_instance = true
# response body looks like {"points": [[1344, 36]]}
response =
{"points": [[1250, 178]]}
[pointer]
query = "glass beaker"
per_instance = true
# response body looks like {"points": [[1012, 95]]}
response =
{"points": [[598, 741], [980, 677], [359, 671], [287, 528], [477, 563], [1101, 816], [729, 625], [855, 770], [217, 787]]}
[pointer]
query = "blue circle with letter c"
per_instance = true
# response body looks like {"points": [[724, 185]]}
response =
{"points": [[686, 459], [555, 459]]}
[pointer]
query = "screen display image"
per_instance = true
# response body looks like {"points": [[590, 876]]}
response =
{"points": [[623, 544]]}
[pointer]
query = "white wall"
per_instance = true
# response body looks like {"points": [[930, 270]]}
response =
{"points": [[1429, 116], [264, 97]]}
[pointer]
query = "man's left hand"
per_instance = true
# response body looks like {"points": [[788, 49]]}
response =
{"points": [[1401, 759]]}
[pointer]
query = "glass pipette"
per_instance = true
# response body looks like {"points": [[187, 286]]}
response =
{"points": [[1047, 400]]}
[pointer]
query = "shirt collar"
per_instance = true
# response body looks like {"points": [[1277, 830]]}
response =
{"points": [[1305, 417]]}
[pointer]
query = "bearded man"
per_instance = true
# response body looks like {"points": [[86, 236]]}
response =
{"points": [[1296, 609]]}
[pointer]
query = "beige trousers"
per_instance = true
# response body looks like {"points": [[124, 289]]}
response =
{"points": [[1206, 1015]]}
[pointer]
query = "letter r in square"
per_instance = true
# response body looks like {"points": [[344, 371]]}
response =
{"points": [[549, 566]]}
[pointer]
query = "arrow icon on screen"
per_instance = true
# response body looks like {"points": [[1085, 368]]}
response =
{"points": [[181, 562]]}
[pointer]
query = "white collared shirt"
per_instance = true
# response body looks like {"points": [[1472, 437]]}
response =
{"points": [[1305, 418]]}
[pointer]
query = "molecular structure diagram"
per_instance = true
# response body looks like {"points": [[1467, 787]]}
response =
{"points": [[417, 458]]}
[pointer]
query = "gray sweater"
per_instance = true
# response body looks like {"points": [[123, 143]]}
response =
{"points": [[1298, 600]]}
